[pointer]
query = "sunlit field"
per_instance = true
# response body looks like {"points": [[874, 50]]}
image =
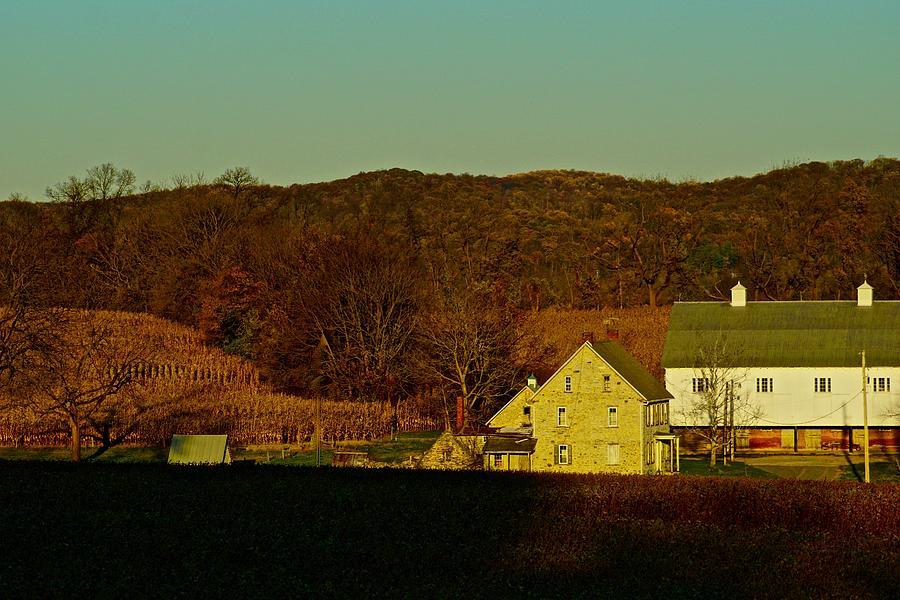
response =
{"points": [[139, 530]]}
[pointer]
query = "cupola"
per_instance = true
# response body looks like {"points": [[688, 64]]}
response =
{"points": [[739, 295], [864, 294]]}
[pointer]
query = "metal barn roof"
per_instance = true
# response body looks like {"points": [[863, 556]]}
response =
{"points": [[787, 334]]}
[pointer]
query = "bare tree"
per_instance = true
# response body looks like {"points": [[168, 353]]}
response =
{"points": [[88, 202], [90, 369], [364, 302], [478, 351], [106, 182], [718, 405], [26, 330], [103, 182], [237, 179]]}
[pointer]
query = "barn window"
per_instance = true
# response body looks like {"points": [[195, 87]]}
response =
{"points": [[568, 383], [700, 384], [612, 416], [822, 385], [764, 385], [606, 383], [561, 418], [882, 384]]}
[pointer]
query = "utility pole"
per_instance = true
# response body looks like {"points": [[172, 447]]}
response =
{"points": [[865, 417], [319, 431]]}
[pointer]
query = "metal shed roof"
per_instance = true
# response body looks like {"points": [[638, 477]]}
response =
{"points": [[199, 450]]}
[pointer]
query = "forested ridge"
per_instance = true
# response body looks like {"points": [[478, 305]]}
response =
{"points": [[389, 282]]}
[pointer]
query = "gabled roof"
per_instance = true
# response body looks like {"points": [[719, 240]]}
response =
{"points": [[787, 334], [527, 391], [630, 370]]}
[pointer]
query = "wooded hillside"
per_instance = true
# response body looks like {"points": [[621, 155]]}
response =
{"points": [[385, 284]]}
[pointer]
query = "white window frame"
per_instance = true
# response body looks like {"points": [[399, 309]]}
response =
{"points": [[562, 416], [613, 455], [612, 416], [568, 384], [881, 384], [765, 385], [822, 385], [562, 455]]}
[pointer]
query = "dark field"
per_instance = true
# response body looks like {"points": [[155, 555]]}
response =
{"points": [[142, 530]]}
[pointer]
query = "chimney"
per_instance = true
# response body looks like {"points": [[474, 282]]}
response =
{"points": [[864, 294], [739, 295], [460, 413], [532, 381], [587, 336]]}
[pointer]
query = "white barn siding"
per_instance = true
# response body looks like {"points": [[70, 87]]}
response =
{"points": [[794, 401]]}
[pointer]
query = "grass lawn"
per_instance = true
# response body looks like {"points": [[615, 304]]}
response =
{"points": [[385, 450], [878, 472], [154, 530], [700, 466]]}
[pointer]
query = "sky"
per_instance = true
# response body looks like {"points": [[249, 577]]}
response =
{"points": [[304, 91]]}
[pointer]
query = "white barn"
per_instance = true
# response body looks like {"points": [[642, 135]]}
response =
{"points": [[801, 366]]}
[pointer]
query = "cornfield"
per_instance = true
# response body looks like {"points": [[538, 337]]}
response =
{"points": [[182, 386]]}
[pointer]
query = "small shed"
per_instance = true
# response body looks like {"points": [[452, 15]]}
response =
{"points": [[199, 450]]}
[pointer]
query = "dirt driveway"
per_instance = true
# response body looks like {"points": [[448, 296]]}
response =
{"points": [[817, 467]]}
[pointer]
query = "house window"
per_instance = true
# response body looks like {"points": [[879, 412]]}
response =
{"points": [[526, 410], [822, 385], [561, 419], [699, 384], [568, 383], [606, 383], [498, 461], [764, 385], [612, 416], [562, 454], [612, 454]]}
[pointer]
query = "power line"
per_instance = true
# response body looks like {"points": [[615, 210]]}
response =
{"points": [[817, 418]]}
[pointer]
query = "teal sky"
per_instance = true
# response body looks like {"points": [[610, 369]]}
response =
{"points": [[313, 91]]}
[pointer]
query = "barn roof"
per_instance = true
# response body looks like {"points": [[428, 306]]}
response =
{"points": [[787, 334]]}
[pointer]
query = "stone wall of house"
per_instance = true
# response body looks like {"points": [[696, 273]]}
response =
{"points": [[587, 431], [453, 453], [513, 414]]}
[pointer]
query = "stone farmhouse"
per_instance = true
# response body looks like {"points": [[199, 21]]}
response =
{"points": [[800, 364], [601, 411]]}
